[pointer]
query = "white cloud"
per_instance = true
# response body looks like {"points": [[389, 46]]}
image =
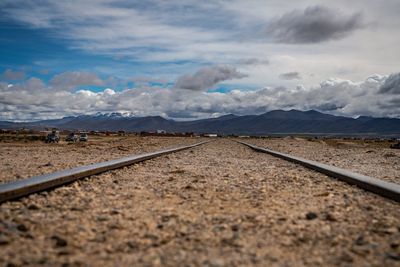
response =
{"points": [[335, 96]]}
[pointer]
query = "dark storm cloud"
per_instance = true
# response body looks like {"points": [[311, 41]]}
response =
{"points": [[207, 77], [294, 75], [327, 107], [253, 61], [72, 79], [391, 85], [313, 25]]}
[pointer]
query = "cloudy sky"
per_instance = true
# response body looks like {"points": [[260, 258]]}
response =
{"points": [[199, 59]]}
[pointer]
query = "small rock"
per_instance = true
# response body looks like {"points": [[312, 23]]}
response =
{"points": [[188, 187], [391, 230], [361, 250], [63, 252], [395, 244], [346, 257], [33, 207], [369, 208], [393, 256], [42, 260], [311, 216], [235, 227], [389, 155], [115, 226], [133, 245], [360, 241], [4, 240], [114, 212], [214, 262], [49, 164], [330, 217], [123, 148], [76, 209], [324, 194], [22, 227], [178, 171], [60, 242], [102, 218]]}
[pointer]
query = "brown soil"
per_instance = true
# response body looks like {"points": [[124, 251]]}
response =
{"points": [[220, 204]]}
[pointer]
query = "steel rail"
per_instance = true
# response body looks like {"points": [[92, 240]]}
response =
{"points": [[16, 189], [377, 186]]}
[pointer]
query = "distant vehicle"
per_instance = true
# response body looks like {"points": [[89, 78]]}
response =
{"points": [[52, 137], [83, 137], [72, 137]]}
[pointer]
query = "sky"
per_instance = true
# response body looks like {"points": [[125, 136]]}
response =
{"points": [[189, 59]]}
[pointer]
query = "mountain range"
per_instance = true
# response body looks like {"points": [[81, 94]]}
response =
{"points": [[273, 122]]}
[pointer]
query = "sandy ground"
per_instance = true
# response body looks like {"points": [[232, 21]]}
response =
{"points": [[21, 160], [373, 159], [220, 204]]}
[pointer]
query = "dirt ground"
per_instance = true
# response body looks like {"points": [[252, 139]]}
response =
{"points": [[369, 158], [21, 160], [220, 204]]}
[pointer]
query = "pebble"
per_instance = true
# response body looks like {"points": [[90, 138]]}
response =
{"points": [[4, 240], [346, 257], [102, 218], [311, 215], [22, 227], [360, 241], [330, 217], [393, 256], [59, 242], [33, 207], [395, 244]]}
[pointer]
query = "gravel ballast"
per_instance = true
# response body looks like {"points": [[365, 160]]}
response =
{"points": [[220, 204]]}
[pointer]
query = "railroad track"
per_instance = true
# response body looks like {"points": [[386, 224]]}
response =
{"points": [[20, 188], [24, 187], [377, 186], [220, 201]]}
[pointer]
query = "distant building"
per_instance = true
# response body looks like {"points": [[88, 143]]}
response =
{"points": [[210, 135], [161, 131]]}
